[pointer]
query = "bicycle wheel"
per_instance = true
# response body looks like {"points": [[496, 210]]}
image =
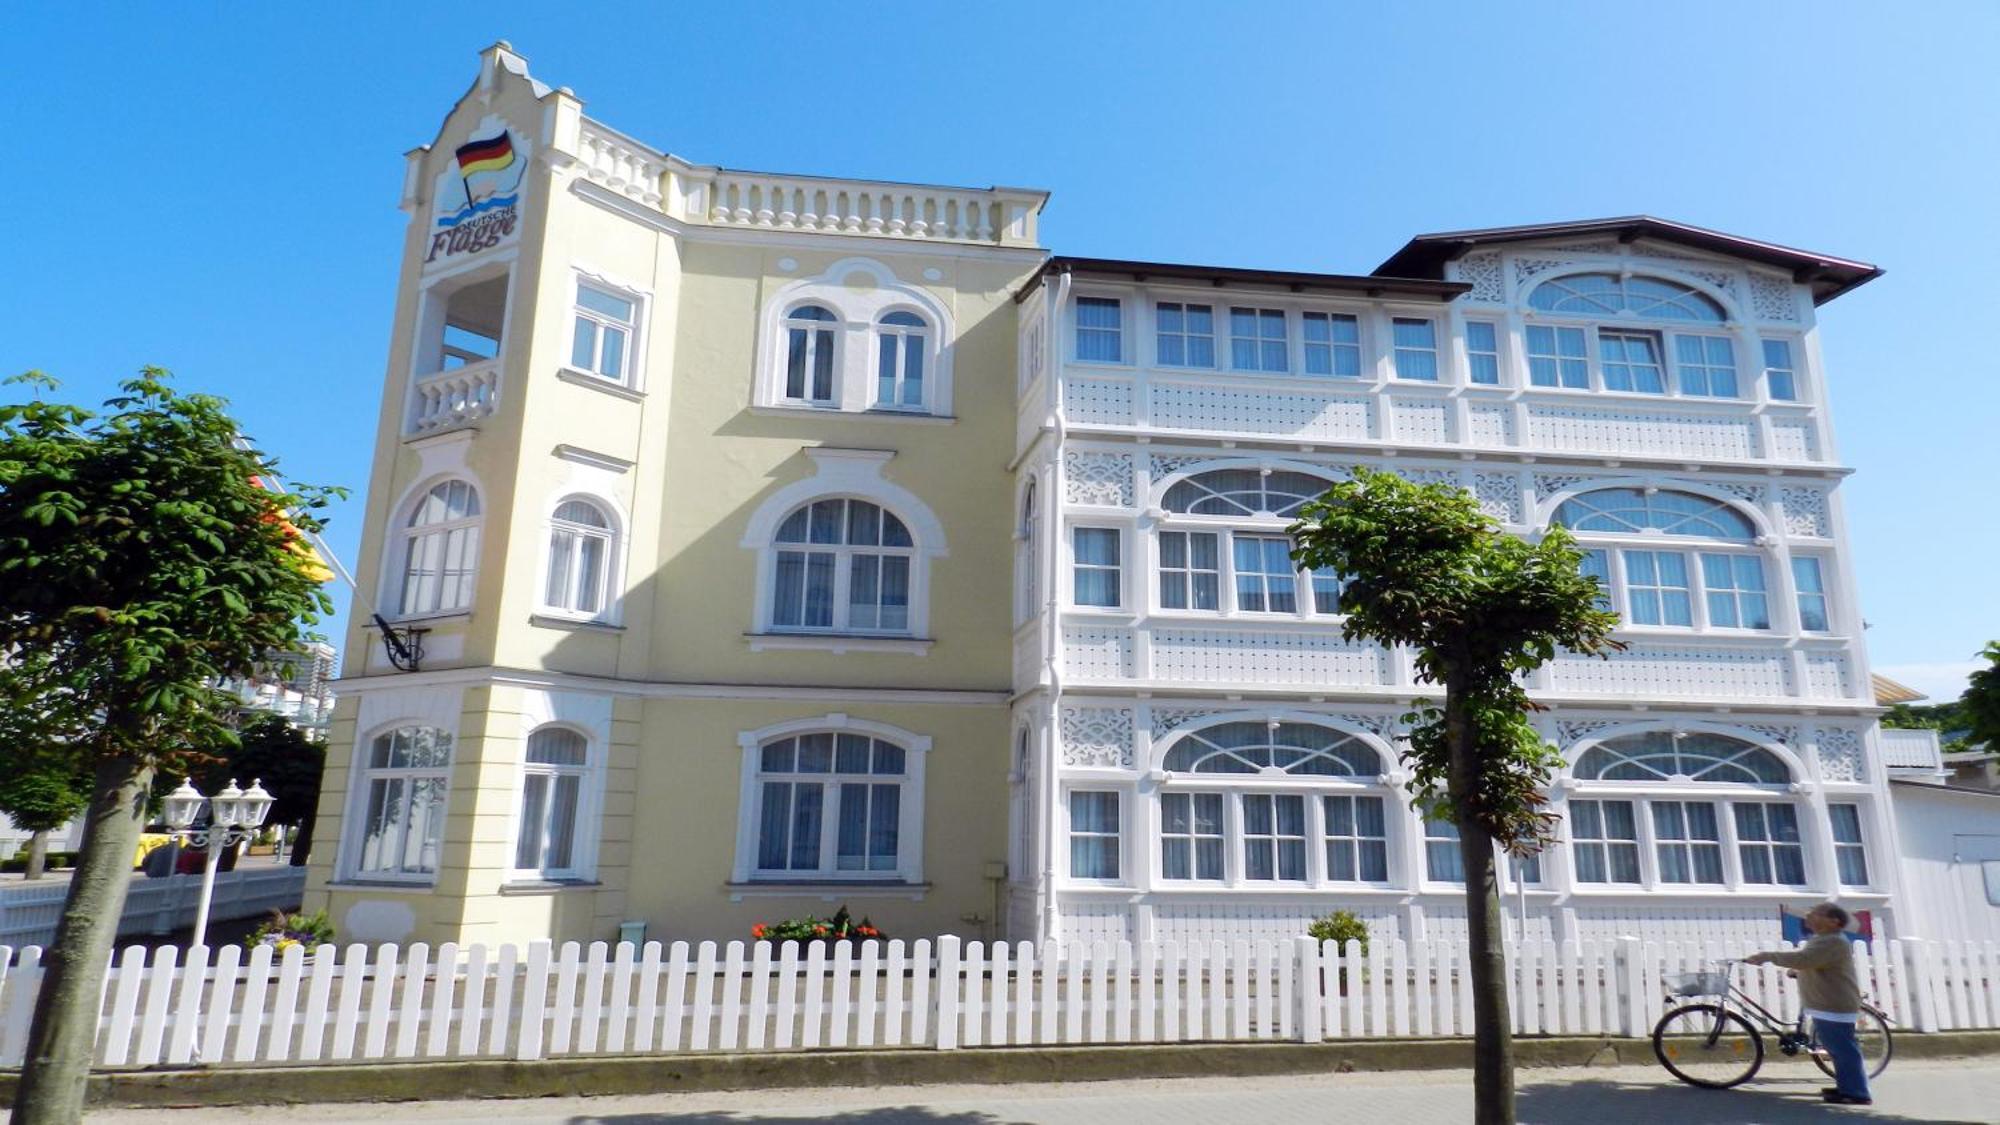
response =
{"points": [[1706, 1045], [1876, 1045]]}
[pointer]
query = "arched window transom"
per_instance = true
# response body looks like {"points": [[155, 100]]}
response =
{"points": [[1292, 748], [842, 565], [1610, 295], [1686, 756], [1244, 492], [1631, 510]]}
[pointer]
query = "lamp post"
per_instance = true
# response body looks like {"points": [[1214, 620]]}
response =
{"points": [[233, 815]]}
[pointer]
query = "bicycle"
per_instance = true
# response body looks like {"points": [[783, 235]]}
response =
{"points": [[1714, 1044]]}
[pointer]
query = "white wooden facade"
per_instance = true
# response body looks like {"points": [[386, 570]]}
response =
{"points": [[1104, 694]]}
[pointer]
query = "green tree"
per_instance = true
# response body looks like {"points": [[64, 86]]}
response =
{"points": [[40, 793], [141, 563], [1421, 566], [1979, 707]]}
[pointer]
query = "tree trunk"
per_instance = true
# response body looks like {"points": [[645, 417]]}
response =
{"points": [[1492, 1037], [64, 1035], [38, 855]]}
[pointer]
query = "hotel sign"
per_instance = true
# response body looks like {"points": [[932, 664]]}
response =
{"points": [[478, 197]]}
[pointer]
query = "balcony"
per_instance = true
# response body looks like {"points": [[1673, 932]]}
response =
{"points": [[449, 400], [1909, 752]]}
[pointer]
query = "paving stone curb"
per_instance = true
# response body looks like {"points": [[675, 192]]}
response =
{"points": [[657, 1074]]}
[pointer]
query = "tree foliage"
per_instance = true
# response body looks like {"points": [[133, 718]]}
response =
{"points": [[1980, 705], [39, 794], [142, 562]]}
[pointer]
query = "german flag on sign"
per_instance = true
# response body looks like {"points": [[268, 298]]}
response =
{"points": [[489, 155]]}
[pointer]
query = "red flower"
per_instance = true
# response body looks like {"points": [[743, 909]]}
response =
{"points": [[819, 931], [758, 931]]}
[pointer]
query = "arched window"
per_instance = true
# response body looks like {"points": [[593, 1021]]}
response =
{"points": [[1021, 809], [902, 339], [1313, 813], [1027, 556], [1198, 561], [580, 554], [1630, 355], [1722, 816], [441, 550], [552, 796], [809, 334], [830, 804], [1656, 582], [842, 566], [402, 792]]}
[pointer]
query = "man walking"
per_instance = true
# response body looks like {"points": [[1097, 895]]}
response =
{"points": [[1831, 995]]}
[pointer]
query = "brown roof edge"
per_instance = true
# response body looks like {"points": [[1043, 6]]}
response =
{"points": [[1829, 276], [1372, 285]]}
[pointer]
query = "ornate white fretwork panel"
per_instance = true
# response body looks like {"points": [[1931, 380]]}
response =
{"points": [[1840, 755], [1806, 512], [1097, 736], [1098, 478]]}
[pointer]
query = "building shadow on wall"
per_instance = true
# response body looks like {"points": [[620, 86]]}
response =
{"points": [[1639, 1103]]}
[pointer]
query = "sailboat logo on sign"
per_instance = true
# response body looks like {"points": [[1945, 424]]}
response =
{"points": [[478, 195]]}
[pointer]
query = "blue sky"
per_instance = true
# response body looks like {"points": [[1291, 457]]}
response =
{"points": [[213, 189]]}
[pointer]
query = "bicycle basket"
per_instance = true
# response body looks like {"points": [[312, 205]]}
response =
{"points": [[1698, 984]]}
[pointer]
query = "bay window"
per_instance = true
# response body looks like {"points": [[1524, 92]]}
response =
{"points": [[1604, 841], [1191, 836], [1809, 580], [1780, 377], [1097, 569]]}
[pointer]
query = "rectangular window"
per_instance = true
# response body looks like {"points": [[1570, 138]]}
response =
{"points": [[1656, 588], [1482, 351], [1099, 330], [1257, 340], [1604, 839], [1326, 591], [1850, 854], [1525, 871], [1416, 348], [1811, 585], [1357, 841], [1093, 834], [1767, 838], [1191, 835], [1184, 334], [1333, 344], [1558, 357], [1735, 588], [1687, 842], [1265, 579], [1706, 364], [1780, 377], [1443, 862], [1631, 361], [1097, 566], [602, 332], [1597, 564], [803, 594], [1274, 837], [1190, 570]]}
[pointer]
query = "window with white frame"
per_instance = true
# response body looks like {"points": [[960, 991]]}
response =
{"points": [[601, 337], [402, 789], [1273, 802], [1027, 556], [830, 805], [441, 550], [1850, 850], [810, 332], [1183, 334], [1744, 830], [1809, 581], [1021, 830], [1100, 330], [580, 556], [902, 343], [1780, 376], [842, 566], [1093, 834], [1225, 529], [1482, 352], [1257, 340], [1415, 340], [1444, 858], [1671, 559], [1097, 569], [1332, 343], [549, 842], [1630, 357]]}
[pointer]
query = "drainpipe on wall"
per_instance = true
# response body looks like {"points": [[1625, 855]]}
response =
{"points": [[1052, 605]]}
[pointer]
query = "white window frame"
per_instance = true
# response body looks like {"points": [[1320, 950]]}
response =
{"points": [[1618, 586], [632, 375], [1028, 555], [360, 798], [909, 340], [1121, 853], [844, 556], [588, 816], [820, 336], [410, 535], [608, 578], [1435, 350], [1260, 316], [1073, 349], [859, 292], [1226, 529], [1186, 335], [1862, 845], [1120, 571], [1662, 329], [910, 842]]}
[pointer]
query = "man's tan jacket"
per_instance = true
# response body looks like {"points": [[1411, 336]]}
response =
{"points": [[1826, 974]]}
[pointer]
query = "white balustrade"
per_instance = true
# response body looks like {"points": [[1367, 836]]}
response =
{"points": [[621, 164], [455, 398]]}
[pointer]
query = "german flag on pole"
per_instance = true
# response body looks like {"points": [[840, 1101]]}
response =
{"points": [[489, 155], [304, 555]]}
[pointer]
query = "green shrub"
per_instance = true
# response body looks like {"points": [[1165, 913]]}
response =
{"points": [[18, 862], [286, 930], [1342, 926]]}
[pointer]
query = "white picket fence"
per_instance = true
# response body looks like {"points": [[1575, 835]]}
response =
{"points": [[29, 911], [457, 1002]]}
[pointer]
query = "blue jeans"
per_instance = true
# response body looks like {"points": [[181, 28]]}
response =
{"points": [[1850, 1072]]}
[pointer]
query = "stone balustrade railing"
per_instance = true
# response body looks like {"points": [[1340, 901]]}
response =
{"points": [[459, 397]]}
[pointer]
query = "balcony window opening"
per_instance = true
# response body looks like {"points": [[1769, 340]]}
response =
{"points": [[1443, 861], [1416, 348], [1768, 840], [1357, 839], [1274, 837], [1257, 340], [1735, 587], [1687, 842], [902, 338], [1332, 344], [1184, 334], [1266, 579], [601, 334], [471, 328], [1093, 834], [1482, 352]]}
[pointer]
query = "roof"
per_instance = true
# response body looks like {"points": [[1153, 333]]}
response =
{"points": [[1888, 691], [1371, 285], [1829, 277], [1922, 786]]}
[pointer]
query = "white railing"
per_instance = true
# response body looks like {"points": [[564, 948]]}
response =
{"points": [[459, 397], [540, 1002], [1911, 750], [29, 912]]}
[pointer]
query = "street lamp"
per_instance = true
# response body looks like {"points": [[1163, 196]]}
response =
{"points": [[233, 815]]}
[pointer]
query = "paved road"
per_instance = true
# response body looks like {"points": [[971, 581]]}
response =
{"points": [[1910, 1092]]}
